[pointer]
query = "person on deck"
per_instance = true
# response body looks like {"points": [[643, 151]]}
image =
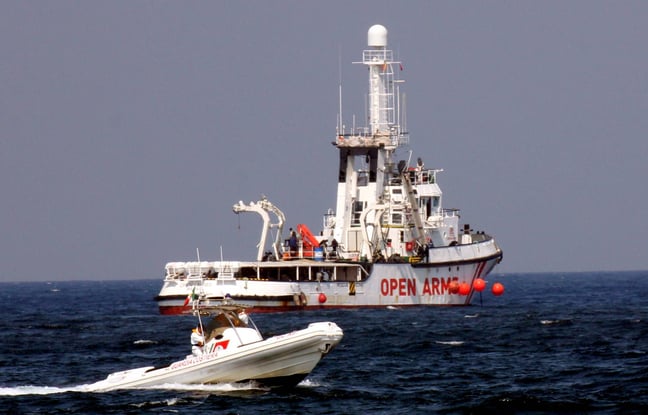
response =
{"points": [[292, 243], [334, 247], [197, 341]]}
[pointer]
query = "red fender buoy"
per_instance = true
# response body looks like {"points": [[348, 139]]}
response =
{"points": [[464, 288], [453, 287], [498, 289], [322, 298], [479, 285]]}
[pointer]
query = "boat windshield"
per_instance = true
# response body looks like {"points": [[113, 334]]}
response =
{"points": [[221, 321]]}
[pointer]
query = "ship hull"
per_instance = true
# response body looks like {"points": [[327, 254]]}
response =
{"points": [[318, 285]]}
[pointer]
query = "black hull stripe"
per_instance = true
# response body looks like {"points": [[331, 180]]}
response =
{"points": [[497, 255], [238, 297]]}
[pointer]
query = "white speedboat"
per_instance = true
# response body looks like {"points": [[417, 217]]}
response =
{"points": [[389, 241], [235, 351]]}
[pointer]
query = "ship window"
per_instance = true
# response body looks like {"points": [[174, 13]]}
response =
{"points": [[363, 178], [357, 211], [325, 274], [247, 273], [345, 274], [397, 218], [278, 274], [425, 206]]}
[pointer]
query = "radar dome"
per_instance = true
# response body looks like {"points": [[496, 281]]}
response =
{"points": [[377, 36]]}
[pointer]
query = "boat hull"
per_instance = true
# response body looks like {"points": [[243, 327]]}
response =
{"points": [[279, 361]]}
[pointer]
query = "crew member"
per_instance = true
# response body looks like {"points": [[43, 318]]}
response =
{"points": [[197, 341], [292, 243], [334, 247]]}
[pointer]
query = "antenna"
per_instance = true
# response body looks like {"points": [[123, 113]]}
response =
{"points": [[404, 113], [367, 118], [340, 132]]}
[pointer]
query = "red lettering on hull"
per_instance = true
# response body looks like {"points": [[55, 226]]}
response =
{"points": [[407, 286], [445, 283], [398, 286]]}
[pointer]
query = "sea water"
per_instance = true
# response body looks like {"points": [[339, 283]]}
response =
{"points": [[552, 343]]}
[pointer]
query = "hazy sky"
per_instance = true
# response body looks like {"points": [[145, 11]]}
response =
{"points": [[128, 129]]}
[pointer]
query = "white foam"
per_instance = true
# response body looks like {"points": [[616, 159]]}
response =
{"points": [[217, 387], [92, 388], [549, 322], [38, 390], [145, 342], [307, 383], [167, 402], [450, 342]]}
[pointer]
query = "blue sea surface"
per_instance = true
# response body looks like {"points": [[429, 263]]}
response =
{"points": [[553, 343]]}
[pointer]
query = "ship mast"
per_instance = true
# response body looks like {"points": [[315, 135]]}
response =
{"points": [[381, 81], [366, 164]]}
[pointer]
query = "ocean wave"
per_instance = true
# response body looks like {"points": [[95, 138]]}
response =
{"points": [[87, 388], [144, 342], [557, 322], [216, 387], [308, 383], [37, 390], [450, 342]]}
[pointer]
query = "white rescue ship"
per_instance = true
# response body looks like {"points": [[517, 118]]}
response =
{"points": [[389, 241]]}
